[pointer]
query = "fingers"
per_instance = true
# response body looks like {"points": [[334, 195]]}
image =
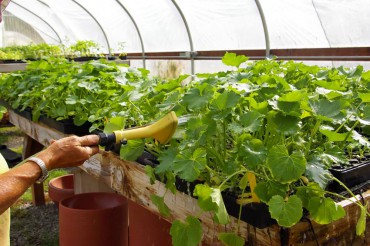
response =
{"points": [[92, 150], [89, 140]]}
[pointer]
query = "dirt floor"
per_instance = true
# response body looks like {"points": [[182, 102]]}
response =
{"points": [[30, 225]]}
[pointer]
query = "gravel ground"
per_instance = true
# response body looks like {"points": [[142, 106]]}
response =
{"points": [[31, 225]]}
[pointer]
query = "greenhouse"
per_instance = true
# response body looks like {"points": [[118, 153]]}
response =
{"points": [[184, 122]]}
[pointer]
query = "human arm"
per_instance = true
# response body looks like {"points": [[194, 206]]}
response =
{"points": [[66, 152]]}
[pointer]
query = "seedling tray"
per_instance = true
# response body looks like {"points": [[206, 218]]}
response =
{"points": [[352, 175], [66, 126]]}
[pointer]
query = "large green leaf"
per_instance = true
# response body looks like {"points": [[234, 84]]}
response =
{"points": [[210, 199], [306, 193], [252, 153], [285, 168], [267, 189], [335, 136], [166, 160], [188, 233], [252, 121], [287, 213], [189, 163], [316, 171], [286, 124], [365, 97], [326, 109], [230, 239], [361, 223], [226, 100], [161, 205], [197, 98], [231, 59], [293, 96], [325, 210], [132, 150]]}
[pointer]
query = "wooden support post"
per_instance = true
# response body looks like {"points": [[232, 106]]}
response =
{"points": [[31, 147]]}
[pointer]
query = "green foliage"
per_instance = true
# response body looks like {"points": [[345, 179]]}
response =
{"points": [[230, 239], [287, 213], [186, 234], [32, 51], [285, 122]]}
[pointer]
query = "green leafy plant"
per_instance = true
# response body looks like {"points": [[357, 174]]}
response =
{"points": [[84, 48], [285, 122]]}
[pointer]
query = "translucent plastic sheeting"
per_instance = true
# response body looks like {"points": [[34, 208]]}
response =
{"points": [[41, 25], [160, 24], [80, 22], [200, 25], [222, 25], [293, 24], [345, 23], [116, 24]]}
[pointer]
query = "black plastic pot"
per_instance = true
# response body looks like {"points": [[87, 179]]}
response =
{"points": [[255, 214], [148, 159], [8, 61], [27, 113], [85, 58], [66, 126], [351, 175]]}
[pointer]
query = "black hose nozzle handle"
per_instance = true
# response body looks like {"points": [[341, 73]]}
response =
{"points": [[106, 139]]}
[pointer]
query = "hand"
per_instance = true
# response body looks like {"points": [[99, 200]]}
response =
{"points": [[69, 151]]}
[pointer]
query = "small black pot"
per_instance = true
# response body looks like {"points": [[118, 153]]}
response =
{"points": [[67, 126], [147, 158], [27, 113], [86, 58], [6, 61], [256, 213]]}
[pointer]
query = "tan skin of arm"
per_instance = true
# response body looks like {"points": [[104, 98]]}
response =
{"points": [[66, 152]]}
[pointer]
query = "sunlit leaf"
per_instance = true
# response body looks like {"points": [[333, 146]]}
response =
{"points": [[231, 59], [325, 210], [230, 239], [132, 150], [188, 233], [267, 189], [361, 223], [189, 163], [210, 199], [161, 205], [285, 168], [287, 213]]}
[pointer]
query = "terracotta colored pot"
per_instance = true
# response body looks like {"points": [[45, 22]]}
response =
{"points": [[61, 187], [147, 228], [93, 219]]}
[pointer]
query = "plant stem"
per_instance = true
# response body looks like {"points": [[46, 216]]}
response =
{"points": [[345, 187], [340, 127], [229, 177], [313, 133]]}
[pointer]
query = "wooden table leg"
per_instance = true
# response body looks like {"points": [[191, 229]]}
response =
{"points": [[31, 147]]}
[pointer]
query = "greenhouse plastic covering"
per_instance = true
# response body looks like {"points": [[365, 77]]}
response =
{"points": [[196, 25]]}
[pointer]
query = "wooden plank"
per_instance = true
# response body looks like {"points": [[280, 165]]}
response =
{"points": [[6, 68]]}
